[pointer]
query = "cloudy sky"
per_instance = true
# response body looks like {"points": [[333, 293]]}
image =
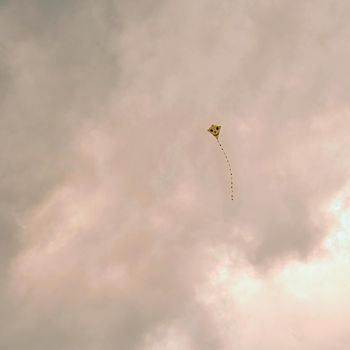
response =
{"points": [[116, 225]]}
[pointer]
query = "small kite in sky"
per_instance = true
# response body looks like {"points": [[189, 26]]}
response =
{"points": [[215, 131]]}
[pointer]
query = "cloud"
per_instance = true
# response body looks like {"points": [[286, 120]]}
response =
{"points": [[116, 210]]}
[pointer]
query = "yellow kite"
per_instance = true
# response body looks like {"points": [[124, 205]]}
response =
{"points": [[215, 131]]}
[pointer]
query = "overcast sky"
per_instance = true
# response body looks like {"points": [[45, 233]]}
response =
{"points": [[116, 225]]}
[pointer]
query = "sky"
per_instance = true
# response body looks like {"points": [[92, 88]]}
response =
{"points": [[116, 224]]}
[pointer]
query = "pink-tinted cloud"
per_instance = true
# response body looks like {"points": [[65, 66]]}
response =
{"points": [[117, 224]]}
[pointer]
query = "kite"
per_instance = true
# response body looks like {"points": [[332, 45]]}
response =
{"points": [[215, 131]]}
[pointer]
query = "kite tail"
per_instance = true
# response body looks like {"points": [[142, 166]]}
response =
{"points": [[229, 166]]}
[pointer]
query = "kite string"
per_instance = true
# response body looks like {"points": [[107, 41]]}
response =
{"points": [[229, 166]]}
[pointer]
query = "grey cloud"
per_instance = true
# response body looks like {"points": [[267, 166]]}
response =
{"points": [[112, 191], [50, 83]]}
